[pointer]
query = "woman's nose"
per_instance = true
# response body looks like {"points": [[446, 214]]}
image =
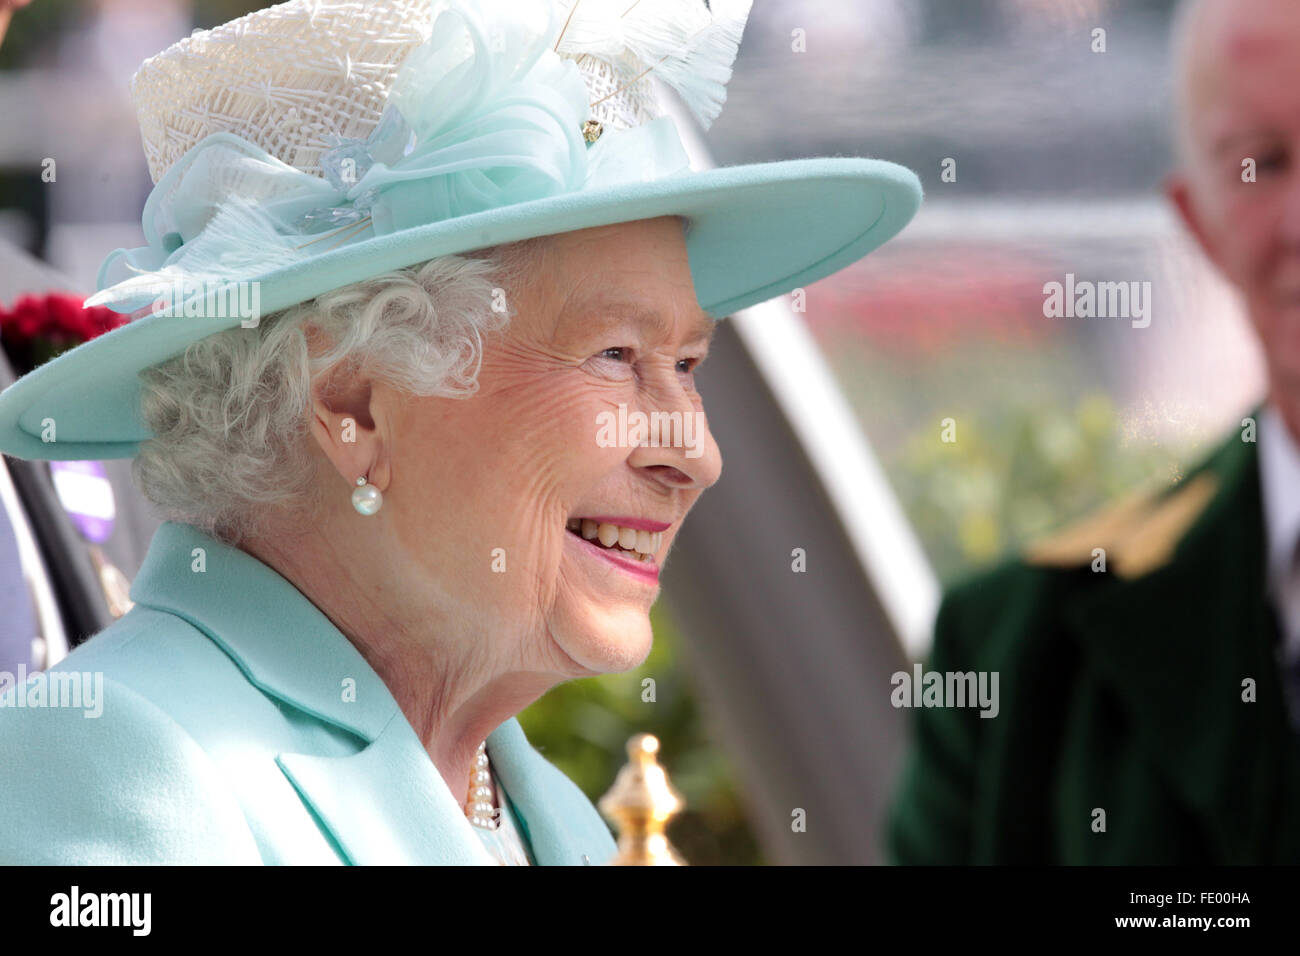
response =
{"points": [[677, 446]]}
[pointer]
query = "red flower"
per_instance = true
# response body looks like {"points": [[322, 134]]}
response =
{"points": [[25, 321], [38, 327]]}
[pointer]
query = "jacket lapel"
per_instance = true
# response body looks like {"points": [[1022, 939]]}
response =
{"points": [[561, 825], [386, 803], [1176, 644]]}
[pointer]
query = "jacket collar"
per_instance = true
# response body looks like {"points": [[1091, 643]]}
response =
{"points": [[387, 803], [1177, 642]]}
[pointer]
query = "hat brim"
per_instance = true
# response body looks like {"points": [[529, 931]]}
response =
{"points": [[758, 231]]}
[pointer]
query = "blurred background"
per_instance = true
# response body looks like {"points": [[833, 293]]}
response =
{"points": [[1054, 155]]}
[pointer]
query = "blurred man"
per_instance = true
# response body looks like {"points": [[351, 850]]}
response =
{"points": [[1149, 658]]}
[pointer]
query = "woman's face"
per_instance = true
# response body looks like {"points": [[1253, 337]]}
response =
{"points": [[489, 494]]}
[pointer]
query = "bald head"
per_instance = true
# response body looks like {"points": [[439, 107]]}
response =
{"points": [[1238, 185], [1218, 44]]}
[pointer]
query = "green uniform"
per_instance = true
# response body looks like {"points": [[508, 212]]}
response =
{"points": [[1141, 716]]}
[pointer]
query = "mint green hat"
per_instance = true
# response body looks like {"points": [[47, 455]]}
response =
{"points": [[315, 144]]}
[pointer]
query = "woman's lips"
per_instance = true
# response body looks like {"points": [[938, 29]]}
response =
{"points": [[647, 570], [641, 524]]}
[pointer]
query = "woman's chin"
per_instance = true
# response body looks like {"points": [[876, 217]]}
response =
{"points": [[605, 640]]}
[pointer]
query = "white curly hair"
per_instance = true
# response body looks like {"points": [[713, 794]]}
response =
{"points": [[229, 418]]}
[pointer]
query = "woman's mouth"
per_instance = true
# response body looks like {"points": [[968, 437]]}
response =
{"points": [[628, 543], [639, 564]]}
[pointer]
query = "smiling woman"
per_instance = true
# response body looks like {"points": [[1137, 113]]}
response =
{"points": [[466, 374], [394, 521]]}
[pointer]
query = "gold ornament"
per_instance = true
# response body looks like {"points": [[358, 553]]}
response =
{"points": [[640, 804]]}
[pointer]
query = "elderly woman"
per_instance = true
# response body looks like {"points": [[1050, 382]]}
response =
{"points": [[395, 516]]}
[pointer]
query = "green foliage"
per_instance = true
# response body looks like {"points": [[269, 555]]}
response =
{"points": [[1039, 441], [583, 728], [1016, 473]]}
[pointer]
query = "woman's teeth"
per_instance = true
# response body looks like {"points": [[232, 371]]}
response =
{"points": [[644, 544]]}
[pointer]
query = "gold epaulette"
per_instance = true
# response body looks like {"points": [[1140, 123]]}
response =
{"points": [[1138, 533]]}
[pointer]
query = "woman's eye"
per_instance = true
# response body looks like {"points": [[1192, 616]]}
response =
{"points": [[624, 354]]}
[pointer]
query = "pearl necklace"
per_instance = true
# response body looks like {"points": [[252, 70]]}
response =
{"points": [[479, 807]]}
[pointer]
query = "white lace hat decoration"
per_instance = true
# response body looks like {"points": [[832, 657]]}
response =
{"points": [[315, 144]]}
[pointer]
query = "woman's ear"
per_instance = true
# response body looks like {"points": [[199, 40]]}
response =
{"points": [[349, 426]]}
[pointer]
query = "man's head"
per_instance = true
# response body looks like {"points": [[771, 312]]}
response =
{"points": [[1238, 183]]}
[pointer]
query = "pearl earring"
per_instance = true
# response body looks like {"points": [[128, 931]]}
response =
{"points": [[366, 498]]}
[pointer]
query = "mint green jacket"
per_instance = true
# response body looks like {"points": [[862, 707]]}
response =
{"points": [[239, 726]]}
